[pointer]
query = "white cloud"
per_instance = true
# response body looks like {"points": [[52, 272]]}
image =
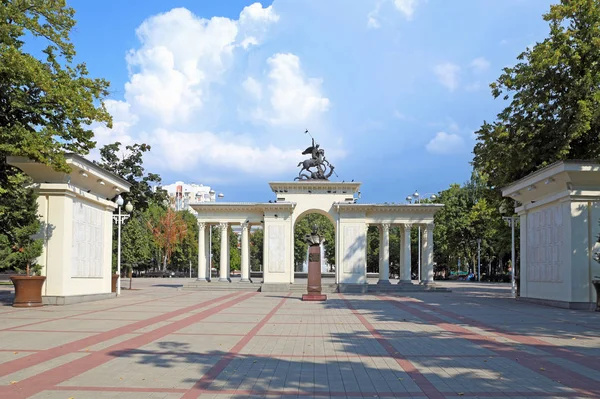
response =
{"points": [[447, 74], [373, 22], [444, 143], [480, 64], [399, 115], [373, 17], [293, 98], [123, 120], [253, 87], [181, 55], [406, 7], [186, 150], [256, 12], [475, 86]]}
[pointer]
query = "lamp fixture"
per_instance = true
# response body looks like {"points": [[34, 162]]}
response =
{"points": [[100, 182], [549, 180], [531, 188], [82, 173]]}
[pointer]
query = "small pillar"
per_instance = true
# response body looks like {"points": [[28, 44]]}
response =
{"points": [[224, 258], [314, 268], [245, 266], [384, 250]]}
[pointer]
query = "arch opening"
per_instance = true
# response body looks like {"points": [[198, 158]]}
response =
{"points": [[303, 226]]}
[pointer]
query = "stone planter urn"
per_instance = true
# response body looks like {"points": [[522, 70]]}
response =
{"points": [[28, 291], [596, 283]]}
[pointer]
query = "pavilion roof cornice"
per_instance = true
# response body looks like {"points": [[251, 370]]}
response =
{"points": [[395, 208], [222, 207]]}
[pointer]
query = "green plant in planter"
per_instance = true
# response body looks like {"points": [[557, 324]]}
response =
{"points": [[21, 240], [21, 253]]}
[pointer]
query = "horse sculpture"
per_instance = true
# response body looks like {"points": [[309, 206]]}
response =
{"points": [[318, 162]]}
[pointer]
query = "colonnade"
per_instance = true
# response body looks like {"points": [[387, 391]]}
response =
{"points": [[405, 253], [204, 250], [204, 266]]}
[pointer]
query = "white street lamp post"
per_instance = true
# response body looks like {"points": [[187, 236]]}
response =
{"points": [[511, 220], [479, 259], [119, 219]]}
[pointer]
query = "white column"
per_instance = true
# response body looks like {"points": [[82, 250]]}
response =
{"points": [[406, 275], [245, 253], [224, 259], [384, 273], [380, 230], [401, 270], [366, 250], [423, 254], [428, 254], [208, 252], [202, 251]]}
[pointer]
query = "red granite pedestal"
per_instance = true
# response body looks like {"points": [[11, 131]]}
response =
{"points": [[314, 275]]}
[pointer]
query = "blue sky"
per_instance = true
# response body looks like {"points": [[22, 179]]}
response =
{"points": [[223, 90]]}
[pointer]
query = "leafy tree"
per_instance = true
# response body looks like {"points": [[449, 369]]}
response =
{"points": [[216, 246], [186, 251], [46, 108], [235, 254], [554, 99], [303, 227], [19, 226], [256, 249], [373, 249], [128, 164], [170, 230], [137, 246]]}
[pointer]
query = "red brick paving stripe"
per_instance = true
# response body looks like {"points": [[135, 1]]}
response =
{"points": [[208, 378], [570, 379], [51, 378], [118, 389], [61, 331], [423, 383], [21, 350], [553, 349], [85, 313], [283, 393], [300, 392], [295, 393], [52, 353], [527, 394]]}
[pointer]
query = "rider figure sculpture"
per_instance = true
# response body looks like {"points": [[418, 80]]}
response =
{"points": [[317, 161]]}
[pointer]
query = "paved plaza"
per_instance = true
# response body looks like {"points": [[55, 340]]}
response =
{"points": [[157, 341]]}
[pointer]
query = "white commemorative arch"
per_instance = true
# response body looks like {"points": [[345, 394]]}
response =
{"points": [[340, 203]]}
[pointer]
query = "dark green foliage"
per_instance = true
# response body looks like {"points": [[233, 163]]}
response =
{"points": [[46, 106], [46, 109], [20, 239], [554, 95], [256, 249], [128, 164], [303, 227]]}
